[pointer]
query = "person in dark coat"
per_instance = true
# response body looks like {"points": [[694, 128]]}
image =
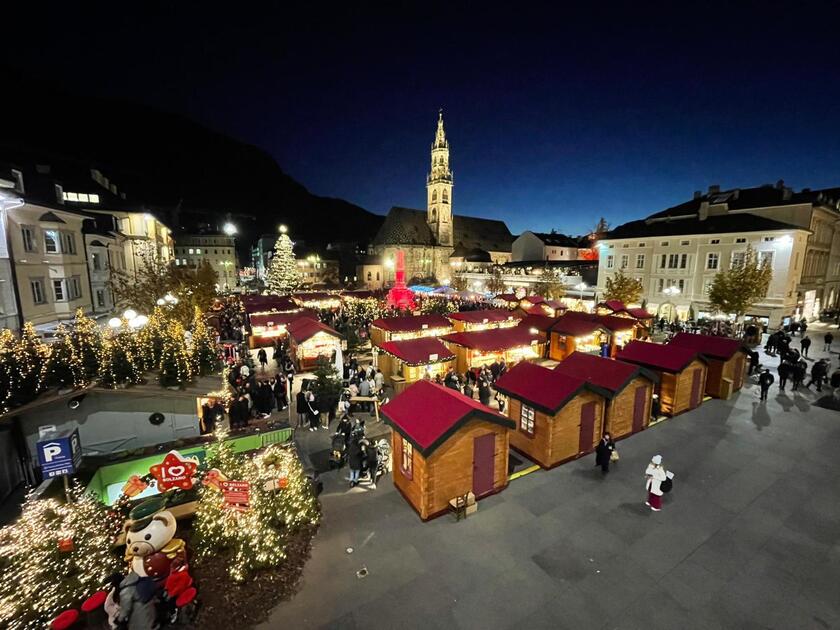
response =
{"points": [[212, 412], [371, 462], [805, 344], [265, 398], [784, 374], [355, 455], [798, 373], [765, 380], [494, 369], [468, 390], [483, 392], [754, 364], [300, 407], [603, 452], [263, 358], [345, 428], [819, 372], [828, 339], [279, 389], [239, 412]]}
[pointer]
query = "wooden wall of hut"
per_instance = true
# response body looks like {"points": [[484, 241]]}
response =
{"points": [[629, 412], [684, 390], [725, 377]]}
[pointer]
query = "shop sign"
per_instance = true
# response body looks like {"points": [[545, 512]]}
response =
{"points": [[237, 494], [175, 471]]}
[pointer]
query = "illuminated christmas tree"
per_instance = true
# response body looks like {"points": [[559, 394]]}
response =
{"points": [[282, 276], [64, 371], [175, 365], [55, 555], [150, 340], [204, 351], [87, 340], [119, 363]]}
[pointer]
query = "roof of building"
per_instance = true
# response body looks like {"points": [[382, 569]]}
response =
{"points": [[493, 339], [541, 323], [609, 374], [483, 316], [543, 388], [716, 224], [711, 345], [278, 319], [407, 226], [617, 306], [558, 240], [533, 299], [420, 351], [506, 297], [657, 356], [427, 414], [267, 303], [567, 324], [411, 323], [308, 296], [610, 322], [304, 328]]}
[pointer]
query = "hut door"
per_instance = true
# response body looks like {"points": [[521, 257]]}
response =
{"points": [[696, 393], [587, 427], [639, 404], [484, 452]]}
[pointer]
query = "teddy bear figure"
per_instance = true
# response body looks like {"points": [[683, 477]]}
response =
{"points": [[150, 546]]}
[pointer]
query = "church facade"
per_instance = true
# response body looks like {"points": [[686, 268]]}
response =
{"points": [[435, 238]]}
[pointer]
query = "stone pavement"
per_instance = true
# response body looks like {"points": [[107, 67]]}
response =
{"points": [[749, 538]]}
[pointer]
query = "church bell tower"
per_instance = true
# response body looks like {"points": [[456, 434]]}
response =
{"points": [[439, 188]]}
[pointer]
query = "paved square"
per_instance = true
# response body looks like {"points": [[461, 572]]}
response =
{"points": [[747, 539]]}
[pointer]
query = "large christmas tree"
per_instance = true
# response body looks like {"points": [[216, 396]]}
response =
{"points": [[204, 351], [65, 371], [175, 364], [120, 363], [87, 341], [282, 277]]}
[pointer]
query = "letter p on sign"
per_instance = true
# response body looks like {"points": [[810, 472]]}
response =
{"points": [[50, 451]]}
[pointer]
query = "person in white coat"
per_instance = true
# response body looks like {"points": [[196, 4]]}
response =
{"points": [[654, 476]]}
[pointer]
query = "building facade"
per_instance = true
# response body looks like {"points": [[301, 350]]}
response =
{"points": [[676, 253], [316, 268], [217, 250], [533, 246], [428, 238]]}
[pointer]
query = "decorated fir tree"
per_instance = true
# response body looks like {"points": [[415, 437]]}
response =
{"points": [[64, 369], [175, 365], [120, 366], [8, 369], [31, 359], [204, 351], [282, 277], [87, 341], [150, 340], [54, 556]]}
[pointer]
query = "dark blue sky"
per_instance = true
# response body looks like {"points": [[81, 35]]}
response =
{"points": [[555, 117]]}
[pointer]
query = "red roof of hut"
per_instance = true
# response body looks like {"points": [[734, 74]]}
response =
{"points": [[570, 324], [713, 346], [483, 316], [541, 387], [304, 328], [493, 339], [411, 323], [418, 351], [533, 299], [427, 414], [277, 319], [610, 374], [541, 323], [656, 356]]}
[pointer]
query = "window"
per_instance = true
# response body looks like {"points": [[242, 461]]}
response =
{"points": [[445, 197], [377, 275], [96, 261], [526, 420], [94, 198], [28, 234], [84, 197], [673, 260], [740, 240], [51, 241], [198, 251], [683, 242], [681, 285], [707, 284], [192, 251], [75, 288], [640, 261], [38, 296], [641, 244], [683, 261], [664, 243], [769, 239], [660, 285], [625, 260], [712, 260], [714, 241], [737, 260], [68, 243], [370, 276], [610, 261], [100, 297], [625, 246], [58, 290], [177, 263], [765, 258], [407, 459]]}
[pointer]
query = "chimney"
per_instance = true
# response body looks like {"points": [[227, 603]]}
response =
{"points": [[780, 184], [714, 188], [703, 212], [698, 194]]}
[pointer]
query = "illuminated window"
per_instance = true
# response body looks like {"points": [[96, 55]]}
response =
{"points": [[198, 251], [526, 420], [51, 241], [712, 260], [738, 259], [407, 458], [765, 258], [84, 197], [94, 199], [191, 251]]}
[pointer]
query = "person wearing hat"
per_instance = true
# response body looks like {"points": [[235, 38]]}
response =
{"points": [[654, 476]]}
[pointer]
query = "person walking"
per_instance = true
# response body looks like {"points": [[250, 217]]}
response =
{"points": [[765, 380], [300, 407], [654, 476], [483, 392], [828, 339], [262, 355], [379, 380], [799, 371], [784, 374], [279, 389], [364, 392], [754, 364], [819, 373], [355, 455], [312, 412], [805, 344], [603, 453]]}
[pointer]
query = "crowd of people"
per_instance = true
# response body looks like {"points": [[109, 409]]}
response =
{"points": [[475, 382]]}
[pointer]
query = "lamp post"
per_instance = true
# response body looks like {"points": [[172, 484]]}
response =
{"points": [[672, 291], [581, 287]]}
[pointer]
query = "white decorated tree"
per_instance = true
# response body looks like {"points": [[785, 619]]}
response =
{"points": [[282, 277]]}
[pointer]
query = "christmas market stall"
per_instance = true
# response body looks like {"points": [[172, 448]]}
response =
{"points": [[482, 320], [268, 304], [727, 361], [618, 308], [483, 347], [310, 340], [558, 417], [506, 300], [318, 300], [682, 373], [266, 327], [445, 446], [630, 390], [409, 360], [408, 327], [577, 334]]}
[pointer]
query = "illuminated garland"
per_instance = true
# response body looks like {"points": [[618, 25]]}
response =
{"points": [[175, 365], [88, 347], [204, 352], [23, 367]]}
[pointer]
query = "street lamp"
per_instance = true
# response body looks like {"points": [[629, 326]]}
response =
{"points": [[671, 292], [581, 287], [115, 322], [283, 229], [229, 228], [130, 314]]}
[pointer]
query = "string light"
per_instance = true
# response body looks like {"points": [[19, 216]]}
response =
{"points": [[175, 364], [204, 351]]}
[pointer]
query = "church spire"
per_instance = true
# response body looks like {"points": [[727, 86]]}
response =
{"points": [[440, 135], [439, 188]]}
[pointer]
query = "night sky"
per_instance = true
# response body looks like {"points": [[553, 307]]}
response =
{"points": [[554, 118]]}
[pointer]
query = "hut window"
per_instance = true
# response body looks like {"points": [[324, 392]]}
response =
{"points": [[526, 420], [406, 461]]}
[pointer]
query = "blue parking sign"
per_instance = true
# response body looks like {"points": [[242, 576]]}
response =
{"points": [[60, 453]]}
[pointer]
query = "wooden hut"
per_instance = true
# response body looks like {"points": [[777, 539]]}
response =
{"points": [[727, 361], [558, 417], [483, 319], [444, 446], [630, 390], [506, 300], [267, 327], [310, 340], [320, 300], [407, 361], [576, 334], [681, 371], [483, 347], [619, 309], [408, 327]]}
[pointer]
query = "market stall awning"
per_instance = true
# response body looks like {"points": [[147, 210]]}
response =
{"points": [[427, 414], [610, 322], [533, 299], [657, 356], [411, 323], [617, 306], [712, 346], [541, 387], [540, 323], [568, 324], [420, 351], [506, 297], [608, 374], [485, 316], [302, 329], [266, 303], [279, 319], [494, 339]]}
